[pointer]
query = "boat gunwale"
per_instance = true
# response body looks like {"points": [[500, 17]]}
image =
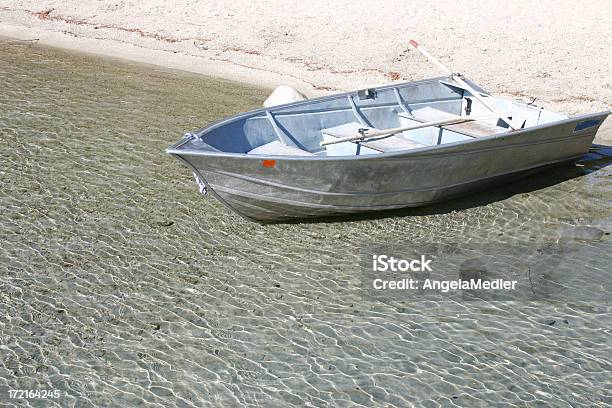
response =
{"points": [[421, 152], [175, 149]]}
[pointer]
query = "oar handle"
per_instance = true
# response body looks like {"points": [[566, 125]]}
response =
{"points": [[430, 57], [369, 134], [476, 95]]}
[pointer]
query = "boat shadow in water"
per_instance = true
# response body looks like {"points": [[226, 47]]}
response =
{"points": [[598, 157]]}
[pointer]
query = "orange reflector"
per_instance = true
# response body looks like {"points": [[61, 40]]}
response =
{"points": [[268, 163]]}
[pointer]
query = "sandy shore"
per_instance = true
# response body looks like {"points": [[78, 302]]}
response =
{"points": [[557, 52]]}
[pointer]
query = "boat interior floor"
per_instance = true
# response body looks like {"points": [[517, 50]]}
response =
{"points": [[402, 141], [277, 148], [314, 128]]}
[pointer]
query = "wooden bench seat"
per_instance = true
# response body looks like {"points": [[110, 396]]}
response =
{"points": [[472, 128]]}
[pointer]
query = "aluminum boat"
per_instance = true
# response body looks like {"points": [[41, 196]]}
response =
{"points": [[395, 146]]}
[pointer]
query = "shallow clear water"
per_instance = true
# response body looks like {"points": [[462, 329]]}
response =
{"points": [[121, 286]]}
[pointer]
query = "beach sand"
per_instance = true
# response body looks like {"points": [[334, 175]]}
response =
{"points": [[558, 53]]}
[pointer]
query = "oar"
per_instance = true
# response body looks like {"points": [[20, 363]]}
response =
{"points": [[457, 78], [365, 133]]}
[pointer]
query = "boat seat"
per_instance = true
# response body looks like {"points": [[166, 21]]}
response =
{"points": [[382, 144], [474, 128], [277, 148]]}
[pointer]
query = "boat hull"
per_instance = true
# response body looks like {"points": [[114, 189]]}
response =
{"points": [[280, 188]]}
